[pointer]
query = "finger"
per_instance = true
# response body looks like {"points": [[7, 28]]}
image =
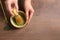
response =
{"points": [[9, 8], [16, 5], [27, 16], [30, 15]]}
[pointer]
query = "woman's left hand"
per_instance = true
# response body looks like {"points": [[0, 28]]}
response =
{"points": [[29, 10]]}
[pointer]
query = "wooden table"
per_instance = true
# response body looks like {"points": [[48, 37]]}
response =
{"points": [[45, 24]]}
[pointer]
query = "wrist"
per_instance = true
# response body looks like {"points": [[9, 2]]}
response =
{"points": [[28, 1]]}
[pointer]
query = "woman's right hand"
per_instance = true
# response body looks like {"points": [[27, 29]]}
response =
{"points": [[9, 7]]}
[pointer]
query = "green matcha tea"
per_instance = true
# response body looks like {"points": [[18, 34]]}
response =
{"points": [[23, 21]]}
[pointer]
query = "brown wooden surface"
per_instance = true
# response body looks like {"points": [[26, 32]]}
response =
{"points": [[45, 24]]}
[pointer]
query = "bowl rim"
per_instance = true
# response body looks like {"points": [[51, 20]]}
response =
{"points": [[16, 25]]}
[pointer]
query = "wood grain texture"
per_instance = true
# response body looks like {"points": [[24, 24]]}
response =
{"points": [[45, 24]]}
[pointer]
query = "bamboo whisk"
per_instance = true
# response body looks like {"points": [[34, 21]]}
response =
{"points": [[17, 17]]}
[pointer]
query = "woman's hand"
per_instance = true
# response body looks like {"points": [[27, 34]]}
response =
{"points": [[9, 5], [27, 6], [28, 9]]}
